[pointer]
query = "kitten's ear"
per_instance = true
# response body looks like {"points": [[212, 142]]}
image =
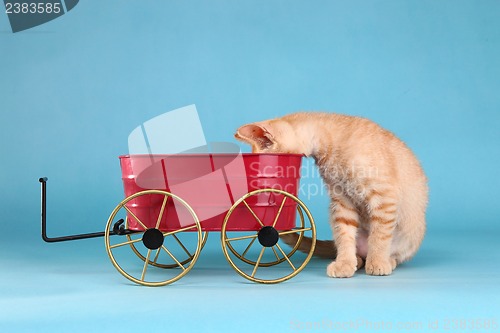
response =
{"points": [[256, 135]]}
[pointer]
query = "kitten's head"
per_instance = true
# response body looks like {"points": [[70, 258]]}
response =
{"points": [[271, 136]]}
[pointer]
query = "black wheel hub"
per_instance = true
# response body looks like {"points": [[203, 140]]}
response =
{"points": [[153, 239], [268, 236]]}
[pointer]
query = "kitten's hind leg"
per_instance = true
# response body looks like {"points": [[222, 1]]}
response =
{"points": [[345, 222], [394, 263], [361, 262]]}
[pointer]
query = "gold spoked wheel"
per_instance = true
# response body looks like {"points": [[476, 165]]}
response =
{"points": [[152, 247], [251, 253]]}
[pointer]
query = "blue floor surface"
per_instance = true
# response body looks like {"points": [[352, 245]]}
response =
{"points": [[453, 284]]}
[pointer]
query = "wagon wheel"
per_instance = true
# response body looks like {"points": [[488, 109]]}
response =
{"points": [[160, 248], [190, 256], [252, 254]]}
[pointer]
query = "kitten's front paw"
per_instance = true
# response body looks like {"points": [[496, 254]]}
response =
{"points": [[341, 269], [378, 266]]}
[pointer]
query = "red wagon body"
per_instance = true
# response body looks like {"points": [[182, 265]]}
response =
{"points": [[210, 184]]}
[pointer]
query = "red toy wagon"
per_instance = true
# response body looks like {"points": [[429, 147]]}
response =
{"points": [[155, 235]]}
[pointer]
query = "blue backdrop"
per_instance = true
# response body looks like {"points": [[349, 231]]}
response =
{"points": [[72, 90]]}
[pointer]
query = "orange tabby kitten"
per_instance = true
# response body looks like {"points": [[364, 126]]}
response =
{"points": [[377, 187]]}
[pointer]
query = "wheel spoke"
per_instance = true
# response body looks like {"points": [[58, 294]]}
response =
{"points": [[146, 262], [172, 256], [258, 261], [182, 245], [293, 231], [179, 230], [160, 215], [279, 211], [135, 217], [276, 254], [132, 241], [248, 248], [253, 213], [241, 238], [286, 257], [156, 256]]}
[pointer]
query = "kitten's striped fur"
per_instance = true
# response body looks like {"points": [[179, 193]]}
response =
{"points": [[377, 187]]}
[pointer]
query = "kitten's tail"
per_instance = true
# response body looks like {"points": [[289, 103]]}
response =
{"points": [[323, 249]]}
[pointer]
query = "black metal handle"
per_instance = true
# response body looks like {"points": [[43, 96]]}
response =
{"points": [[117, 226]]}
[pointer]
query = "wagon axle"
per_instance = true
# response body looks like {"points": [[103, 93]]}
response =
{"points": [[153, 239], [268, 236]]}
